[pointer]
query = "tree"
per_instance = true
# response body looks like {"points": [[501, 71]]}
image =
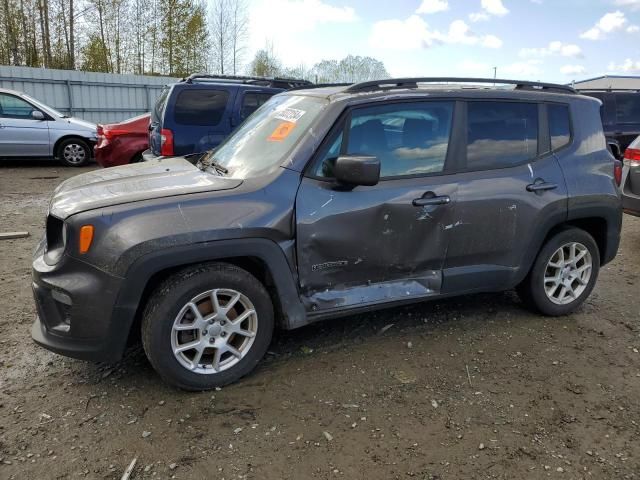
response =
{"points": [[95, 56], [265, 63], [239, 31], [350, 69]]}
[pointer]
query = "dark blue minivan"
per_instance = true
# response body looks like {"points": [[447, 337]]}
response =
{"points": [[199, 112]]}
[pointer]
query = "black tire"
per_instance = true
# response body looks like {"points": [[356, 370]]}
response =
{"points": [[167, 301], [73, 152], [532, 291], [137, 158]]}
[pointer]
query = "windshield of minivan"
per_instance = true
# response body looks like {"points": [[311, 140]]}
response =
{"points": [[267, 136]]}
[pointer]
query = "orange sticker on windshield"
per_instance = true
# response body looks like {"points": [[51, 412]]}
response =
{"points": [[281, 132]]}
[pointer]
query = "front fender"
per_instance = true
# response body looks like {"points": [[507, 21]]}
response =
{"points": [[269, 252]]}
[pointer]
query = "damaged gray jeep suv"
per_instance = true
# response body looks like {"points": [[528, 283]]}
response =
{"points": [[326, 202]]}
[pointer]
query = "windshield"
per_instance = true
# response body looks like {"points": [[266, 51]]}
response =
{"points": [[267, 136], [47, 108]]}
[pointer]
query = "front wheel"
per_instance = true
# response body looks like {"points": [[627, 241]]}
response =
{"points": [[563, 274], [207, 326], [73, 152]]}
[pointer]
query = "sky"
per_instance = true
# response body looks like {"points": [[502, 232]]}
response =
{"points": [[545, 40]]}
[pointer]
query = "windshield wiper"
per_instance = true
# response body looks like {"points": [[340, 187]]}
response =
{"points": [[210, 163]]}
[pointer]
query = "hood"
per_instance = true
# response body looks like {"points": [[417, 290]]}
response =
{"points": [[83, 124], [131, 183]]}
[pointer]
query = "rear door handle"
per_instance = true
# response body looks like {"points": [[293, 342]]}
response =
{"points": [[2, 126], [541, 186], [431, 198]]}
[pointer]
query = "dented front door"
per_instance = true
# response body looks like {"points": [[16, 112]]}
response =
{"points": [[372, 244]]}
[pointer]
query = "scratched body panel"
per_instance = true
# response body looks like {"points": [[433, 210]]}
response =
{"points": [[370, 244]]}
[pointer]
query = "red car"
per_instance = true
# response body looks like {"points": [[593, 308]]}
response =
{"points": [[122, 143]]}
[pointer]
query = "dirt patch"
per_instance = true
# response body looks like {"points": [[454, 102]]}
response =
{"points": [[474, 387]]}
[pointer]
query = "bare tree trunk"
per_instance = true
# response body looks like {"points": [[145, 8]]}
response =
{"points": [[25, 39], [47, 39], [72, 37], [107, 60], [11, 34], [45, 59]]}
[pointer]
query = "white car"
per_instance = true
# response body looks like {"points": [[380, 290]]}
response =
{"points": [[30, 129]]}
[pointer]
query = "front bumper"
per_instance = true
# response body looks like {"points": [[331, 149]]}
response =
{"points": [[77, 314]]}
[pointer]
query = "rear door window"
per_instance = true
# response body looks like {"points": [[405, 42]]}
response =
{"points": [[501, 134], [200, 107], [628, 108], [252, 101], [559, 126]]}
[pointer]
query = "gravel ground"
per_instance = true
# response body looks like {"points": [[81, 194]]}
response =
{"points": [[474, 387]]}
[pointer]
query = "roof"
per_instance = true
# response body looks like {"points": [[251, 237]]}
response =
{"points": [[609, 82]]}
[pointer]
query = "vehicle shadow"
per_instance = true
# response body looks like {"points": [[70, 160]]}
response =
{"points": [[426, 319]]}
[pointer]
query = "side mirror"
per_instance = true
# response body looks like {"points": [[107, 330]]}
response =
{"points": [[357, 170], [37, 115]]}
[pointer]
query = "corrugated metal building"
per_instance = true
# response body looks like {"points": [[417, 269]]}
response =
{"points": [[609, 82], [97, 97]]}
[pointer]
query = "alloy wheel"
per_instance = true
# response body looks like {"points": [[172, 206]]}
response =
{"points": [[214, 331], [74, 153], [568, 273]]}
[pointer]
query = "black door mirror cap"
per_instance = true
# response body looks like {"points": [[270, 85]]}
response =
{"points": [[354, 170]]}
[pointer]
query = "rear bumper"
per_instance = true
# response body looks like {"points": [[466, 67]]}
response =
{"points": [[631, 183], [76, 312]]}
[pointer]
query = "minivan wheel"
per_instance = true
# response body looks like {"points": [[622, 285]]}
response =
{"points": [[205, 327], [73, 152], [563, 274]]}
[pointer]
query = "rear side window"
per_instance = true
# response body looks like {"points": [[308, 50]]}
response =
{"points": [[501, 134], [251, 102], [200, 107], [158, 108], [14, 107], [559, 126], [628, 108]]}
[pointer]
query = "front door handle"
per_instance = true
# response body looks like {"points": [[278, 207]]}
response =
{"points": [[431, 198], [541, 186]]}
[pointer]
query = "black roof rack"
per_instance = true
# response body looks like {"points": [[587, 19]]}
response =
{"points": [[605, 89], [320, 85], [393, 83], [275, 82]]}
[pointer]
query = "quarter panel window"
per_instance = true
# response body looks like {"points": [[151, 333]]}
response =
{"points": [[408, 139], [14, 107], [559, 126], [200, 107], [628, 108], [501, 134]]}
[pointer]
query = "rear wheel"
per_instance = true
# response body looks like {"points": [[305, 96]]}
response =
{"points": [[563, 274], [207, 326], [73, 152]]}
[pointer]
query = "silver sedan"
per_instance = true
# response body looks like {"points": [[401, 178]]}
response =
{"points": [[30, 129]]}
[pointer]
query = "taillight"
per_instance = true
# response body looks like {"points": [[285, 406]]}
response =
{"points": [[632, 157], [166, 142], [617, 171]]}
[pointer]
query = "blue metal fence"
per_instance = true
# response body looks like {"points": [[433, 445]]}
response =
{"points": [[96, 97]]}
